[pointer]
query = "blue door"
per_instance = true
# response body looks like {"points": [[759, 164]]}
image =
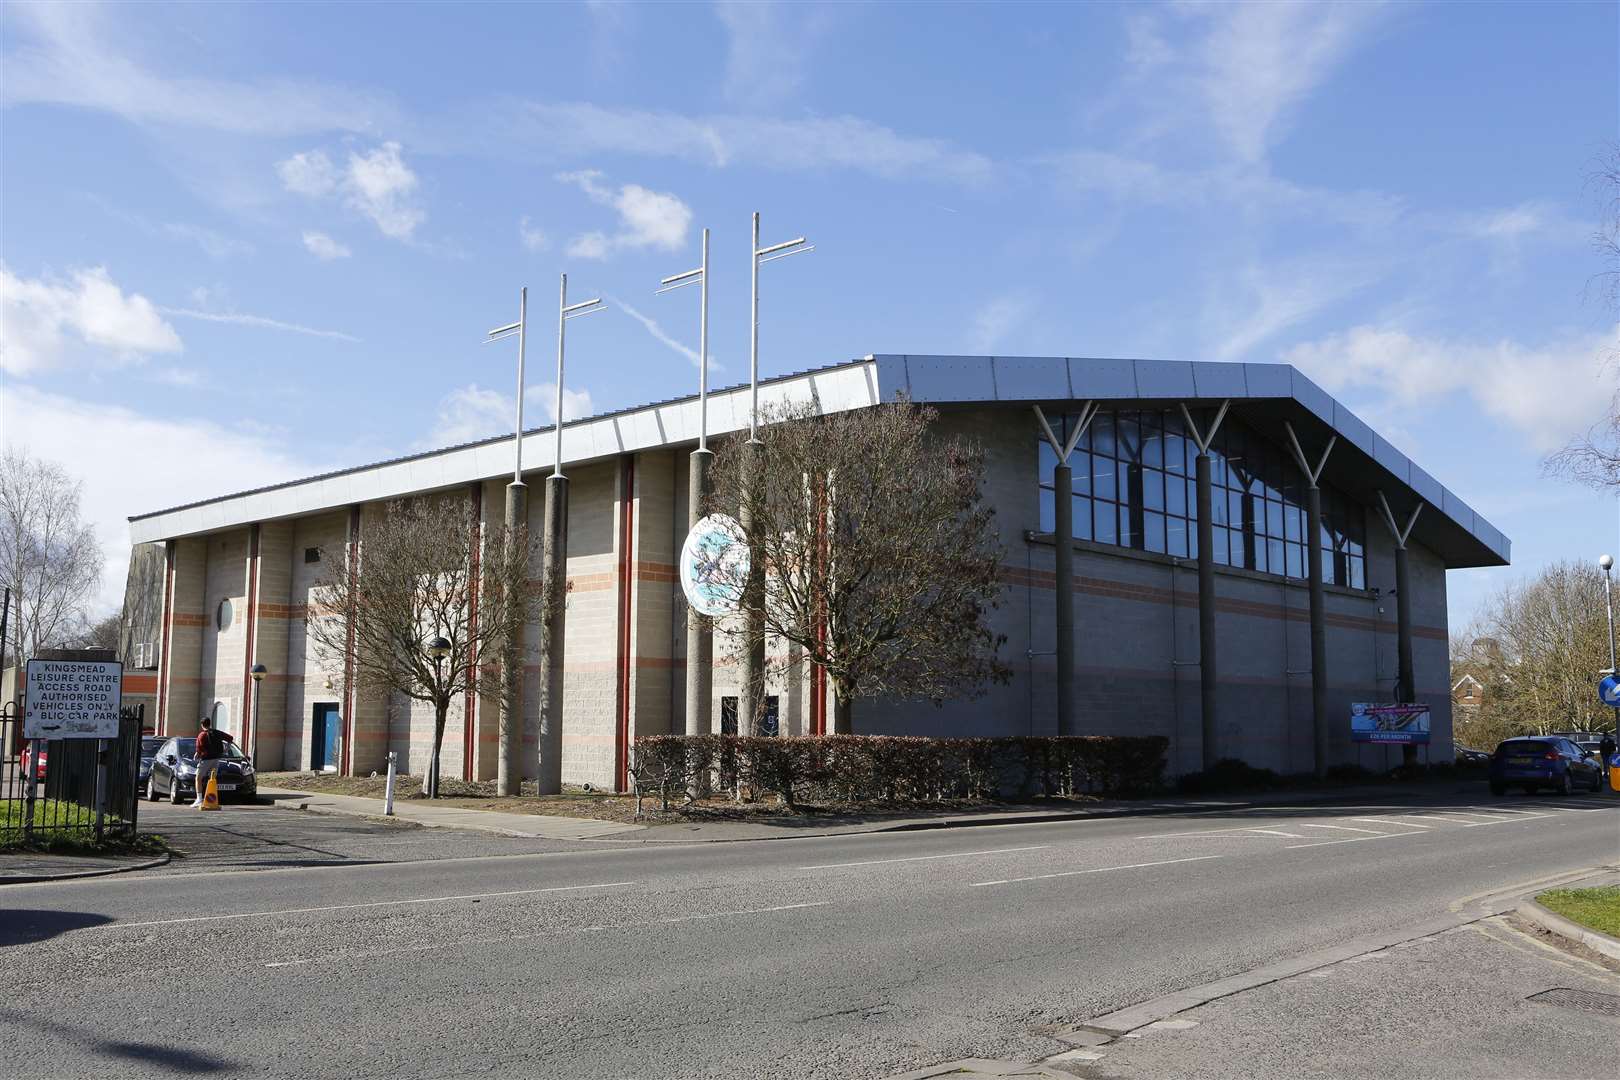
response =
{"points": [[324, 737]]}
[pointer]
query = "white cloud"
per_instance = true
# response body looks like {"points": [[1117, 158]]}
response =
{"points": [[996, 319], [662, 337], [377, 184], [78, 55], [37, 316], [1548, 392], [768, 49], [308, 173], [573, 130], [257, 321], [647, 219], [380, 185], [178, 460], [532, 238], [324, 247], [472, 412]]}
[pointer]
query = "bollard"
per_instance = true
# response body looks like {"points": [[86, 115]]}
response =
{"points": [[101, 787], [388, 792]]}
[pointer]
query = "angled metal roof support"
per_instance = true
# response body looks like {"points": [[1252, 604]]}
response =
{"points": [[1313, 565], [1063, 545], [1405, 686], [1208, 673]]}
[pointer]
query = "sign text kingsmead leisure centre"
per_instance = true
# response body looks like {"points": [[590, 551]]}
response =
{"points": [[73, 699]]}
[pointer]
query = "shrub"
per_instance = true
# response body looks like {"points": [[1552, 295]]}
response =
{"points": [[1229, 774], [898, 769]]}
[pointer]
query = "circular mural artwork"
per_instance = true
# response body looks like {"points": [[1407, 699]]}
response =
{"points": [[714, 565]]}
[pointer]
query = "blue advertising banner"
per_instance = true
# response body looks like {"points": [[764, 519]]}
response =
{"points": [[1404, 724]]}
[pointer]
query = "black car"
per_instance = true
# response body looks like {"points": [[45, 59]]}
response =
{"points": [[174, 773], [149, 748]]}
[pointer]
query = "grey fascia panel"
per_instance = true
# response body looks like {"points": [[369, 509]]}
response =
{"points": [[1427, 487], [1213, 379], [1164, 379], [1031, 378], [1091, 378], [1313, 397], [1353, 429], [951, 378], [892, 377], [1268, 380], [1392, 459], [1457, 510]]}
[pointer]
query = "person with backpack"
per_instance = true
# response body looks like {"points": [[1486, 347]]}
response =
{"points": [[210, 750]]}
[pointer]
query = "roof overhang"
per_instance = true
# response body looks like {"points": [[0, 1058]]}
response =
{"points": [[1265, 395]]}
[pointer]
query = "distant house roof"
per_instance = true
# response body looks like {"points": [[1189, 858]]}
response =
{"points": [[1362, 464]]}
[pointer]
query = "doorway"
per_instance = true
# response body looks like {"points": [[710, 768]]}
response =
{"points": [[324, 731]]}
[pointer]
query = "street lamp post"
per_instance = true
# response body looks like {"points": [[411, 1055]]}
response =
{"points": [[508, 769], [1607, 562], [751, 695], [438, 648], [258, 671], [699, 631]]}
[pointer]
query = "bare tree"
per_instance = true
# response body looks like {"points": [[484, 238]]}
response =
{"points": [[103, 634], [48, 554], [425, 570], [1593, 458], [880, 555], [1538, 649]]}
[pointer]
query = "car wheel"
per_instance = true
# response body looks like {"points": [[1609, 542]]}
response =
{"points": [[174, 791], [1597, 782], [1563, 787], [1498, 789], [151, 788]]}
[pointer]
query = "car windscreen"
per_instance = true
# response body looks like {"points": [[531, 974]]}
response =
{"points": [[151, 746], [185, 747]]}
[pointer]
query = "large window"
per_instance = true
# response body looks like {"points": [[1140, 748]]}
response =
{"points": [[1134, 487]]}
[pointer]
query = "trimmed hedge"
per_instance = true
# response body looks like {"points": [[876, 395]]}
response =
{"points": [[896, 769]]}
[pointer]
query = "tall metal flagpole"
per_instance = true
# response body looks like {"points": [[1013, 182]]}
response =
{"points": [[751, 695]]}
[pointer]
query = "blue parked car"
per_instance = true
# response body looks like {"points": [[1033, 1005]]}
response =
{"points": [[1538, 761]]}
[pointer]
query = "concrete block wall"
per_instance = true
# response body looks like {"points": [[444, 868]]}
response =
{"points": [[370, 720], [487, 716], [590, 655], [654, 682], [184, 620], [223, 667], [273, 617], [307, 671]]}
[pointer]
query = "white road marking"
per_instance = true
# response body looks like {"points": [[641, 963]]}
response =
{"points": [[925, 858], [1278, 832], [369, 953], [1346, 828], [1095, 870], [219, 917], [1506, 821], [1391, 821], [1353, 840]]}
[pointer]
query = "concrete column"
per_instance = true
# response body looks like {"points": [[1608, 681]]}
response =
{"points": [[553, 633], [1406, 684], [1319, 661], [699, 632], [509, 767], [1208, 673], [751, 694], [1063, 519]]}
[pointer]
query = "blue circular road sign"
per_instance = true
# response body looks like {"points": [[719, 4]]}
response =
{"points": [[1609, 691]]}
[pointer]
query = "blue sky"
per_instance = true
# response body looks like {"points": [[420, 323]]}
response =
{"points": [[244, 243]]}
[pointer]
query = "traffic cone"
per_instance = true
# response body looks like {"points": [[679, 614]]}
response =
{"points": [[211, 795]]}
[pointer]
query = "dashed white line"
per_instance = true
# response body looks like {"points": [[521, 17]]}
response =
{"points": [[1278, 832], [1506, 820], [924, 858], [1346, 828], [1094, 870], [1391, 821], [1352, 840]]}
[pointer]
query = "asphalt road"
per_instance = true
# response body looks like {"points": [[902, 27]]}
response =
{"points": [[855, 956]]}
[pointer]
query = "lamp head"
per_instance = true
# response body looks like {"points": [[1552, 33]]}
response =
{"points": [[439, 648], [1606, 561], [258, 671]]}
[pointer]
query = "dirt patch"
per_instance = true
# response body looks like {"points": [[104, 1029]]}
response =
{"points": [[607, 806]]}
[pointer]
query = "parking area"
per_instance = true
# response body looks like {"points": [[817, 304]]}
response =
{"points": [[265, 836]]}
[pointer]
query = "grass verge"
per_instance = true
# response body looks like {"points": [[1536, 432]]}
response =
{"points": [[1596, 909], [71, 831]]}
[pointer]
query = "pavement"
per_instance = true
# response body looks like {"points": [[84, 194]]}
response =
{"points": [[428, 815], [20, 867], [860, 956]]}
